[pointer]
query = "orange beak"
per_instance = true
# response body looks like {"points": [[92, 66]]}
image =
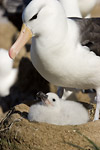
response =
{"points": [[24, 36]]}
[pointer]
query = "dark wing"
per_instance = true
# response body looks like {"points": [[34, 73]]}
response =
{"points": [[89, 33]]}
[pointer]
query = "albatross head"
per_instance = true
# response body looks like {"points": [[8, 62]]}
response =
{"points": [[37, 16], [49, 99], [53, 99]]}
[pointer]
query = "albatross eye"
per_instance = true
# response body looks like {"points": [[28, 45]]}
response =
{"points": [[34, 17], [53, 100]]}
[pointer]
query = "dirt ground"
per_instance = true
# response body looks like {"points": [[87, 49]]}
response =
{"points": [[17, 133]]}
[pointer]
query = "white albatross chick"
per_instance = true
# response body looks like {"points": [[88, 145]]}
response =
{"points": [[54, 110], [8, 74], [65, 51]]}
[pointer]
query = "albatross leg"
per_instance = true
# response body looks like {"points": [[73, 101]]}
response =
{"points": [[96, 117], [64, 93], [67, 93], [60, 91]]}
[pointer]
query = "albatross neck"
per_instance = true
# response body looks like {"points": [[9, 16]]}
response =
{"points": [[53, 29]]}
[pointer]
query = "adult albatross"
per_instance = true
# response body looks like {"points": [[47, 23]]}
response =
{"points": [[65, 51]]}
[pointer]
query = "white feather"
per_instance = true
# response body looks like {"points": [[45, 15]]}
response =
{"points": [[86, 6], [78, 8], [60, 113], [7, 73]]}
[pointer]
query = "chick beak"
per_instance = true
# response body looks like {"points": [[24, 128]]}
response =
{"points": [[24, 36], [44, 98], [40, 95]]}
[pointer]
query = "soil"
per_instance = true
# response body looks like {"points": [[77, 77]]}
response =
{"points": [[17, 133]]}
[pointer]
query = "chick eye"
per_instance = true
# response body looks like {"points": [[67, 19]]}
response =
{"points": [[53, 100], [34, 17]]}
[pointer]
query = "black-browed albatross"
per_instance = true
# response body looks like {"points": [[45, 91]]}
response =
{"points": [[75, 8], [65, 51]]}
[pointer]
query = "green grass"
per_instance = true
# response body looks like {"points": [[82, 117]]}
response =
{"points": [[91, 144]]}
